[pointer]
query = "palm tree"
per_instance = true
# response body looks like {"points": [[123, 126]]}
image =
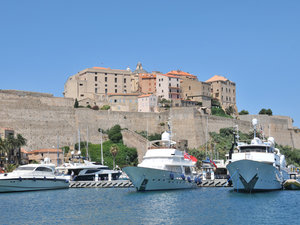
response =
{"points": [[114, 151]]}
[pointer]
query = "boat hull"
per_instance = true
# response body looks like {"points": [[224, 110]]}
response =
{"points": [[148, 179], [30, 184], [251, 176], [291, 184]]}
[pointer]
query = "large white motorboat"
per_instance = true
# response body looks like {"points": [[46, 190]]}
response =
{"points": [[257, 166], [88, 171], [163, 168], [32, 177]]}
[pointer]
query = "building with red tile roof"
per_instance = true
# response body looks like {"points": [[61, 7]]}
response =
{"points": [[40, 154], [224, 91]]}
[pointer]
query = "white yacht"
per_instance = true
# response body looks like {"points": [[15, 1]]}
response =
{"points": [[88, 171], [32, 177], [163, 168], [257, 166]]}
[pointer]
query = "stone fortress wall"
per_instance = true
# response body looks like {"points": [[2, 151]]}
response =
{"points": [[41, 118]]}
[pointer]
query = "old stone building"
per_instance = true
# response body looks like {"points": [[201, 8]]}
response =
{"points": [[167, 87], [147, 103], [123, 102], [94, 83], [192, 89], [147, 83], [224, 90]]}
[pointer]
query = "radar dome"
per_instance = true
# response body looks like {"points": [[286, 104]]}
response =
{"points": [[165, 136]]}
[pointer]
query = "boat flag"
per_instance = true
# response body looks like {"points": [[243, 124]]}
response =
{"points": [[190, 157], [212, 162]]}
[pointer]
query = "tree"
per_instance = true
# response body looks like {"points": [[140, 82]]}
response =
{"points": [[243, 112], [229, 110], [114, 151], [114, 134], [266, 112], [76, 104]]}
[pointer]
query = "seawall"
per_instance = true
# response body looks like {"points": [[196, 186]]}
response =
{"points": [[42, 118]]}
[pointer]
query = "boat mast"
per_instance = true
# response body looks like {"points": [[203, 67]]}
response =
{"points": [[57, 150], [101, 143], [254, 123], [87, 143]]}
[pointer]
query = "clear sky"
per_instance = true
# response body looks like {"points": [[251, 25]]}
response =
{"points": [[254, 43]]}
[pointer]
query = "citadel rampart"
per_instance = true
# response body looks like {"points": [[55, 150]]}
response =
{"points": [[41, 118]]}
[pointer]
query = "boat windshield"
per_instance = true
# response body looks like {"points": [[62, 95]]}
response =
{"points": [[27, 168], [248, 148]]}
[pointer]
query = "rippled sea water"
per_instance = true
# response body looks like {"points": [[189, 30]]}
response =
{"points": [[126, 206]]}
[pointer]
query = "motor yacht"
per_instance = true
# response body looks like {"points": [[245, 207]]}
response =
{"points": [[32, 177], [87, 171], [163, 168], [257, 166]]}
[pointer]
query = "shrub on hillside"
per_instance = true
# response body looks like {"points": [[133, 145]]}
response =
{"points": [[114, 134], [243, 112]]}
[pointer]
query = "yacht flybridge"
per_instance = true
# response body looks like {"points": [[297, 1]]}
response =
{"points": [[257, 166], [163, 167]]}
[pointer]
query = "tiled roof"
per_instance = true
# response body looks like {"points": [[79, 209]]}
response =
{"points": [[127, 94], [142, 96], [147, 75], [44, 150], [180, 73], [168, 75], [216, 78]]}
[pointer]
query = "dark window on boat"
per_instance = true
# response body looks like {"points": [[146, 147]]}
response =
{"points": [[255, 149], [187, 170], [43, 169], [91, 171]]}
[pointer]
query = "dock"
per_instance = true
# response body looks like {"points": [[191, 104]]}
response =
{"points": [[128, 184], [215, 183], [101, 184]]}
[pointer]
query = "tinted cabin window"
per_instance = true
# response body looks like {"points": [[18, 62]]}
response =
{"points": [[255, 149], [43, 169]]}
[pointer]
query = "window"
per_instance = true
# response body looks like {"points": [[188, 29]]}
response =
{"points": [[96, 84], [105, 85], [116, 79], [169, 84], [116, 85], [95, 73], [105, 79], [105, 91], [96, 89], [177, 79], [43, 169], [169, 79], [105, 73], [189, 87], [177, 85], [116, 74], [158, 85], [81, 95], [96, 78], [116, 91], [115, 101], [124, 80], [80, 84]]}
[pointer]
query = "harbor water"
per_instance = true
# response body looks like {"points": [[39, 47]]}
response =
{"points": [[126, 206]]}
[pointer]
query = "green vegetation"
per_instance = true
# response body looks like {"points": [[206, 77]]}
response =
{"points": [[114, 134], [76, 104], [266, 112], [10, 149], [150, 137], [114, 151], [215, 111], [292, 155], [243, 112], [105, 107]]}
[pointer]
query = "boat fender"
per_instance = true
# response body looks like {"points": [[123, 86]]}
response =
{"points": [[199, 180], [189, 179], [54, 179], [182, 176], [20, 178], [172, 176], [5, 174]]}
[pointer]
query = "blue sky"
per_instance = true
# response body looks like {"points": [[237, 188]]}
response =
{"points": [[254, 43]]}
